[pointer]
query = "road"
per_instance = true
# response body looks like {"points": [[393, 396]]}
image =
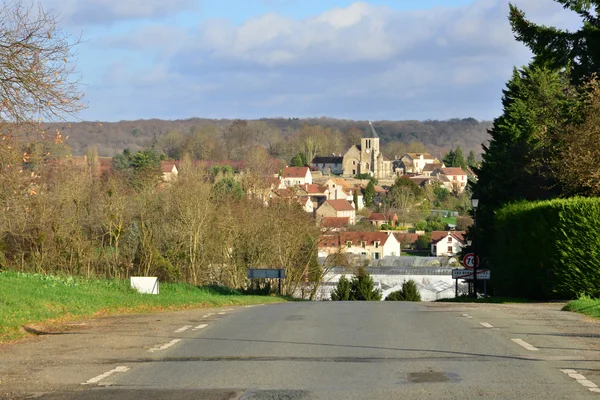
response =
{"points": [[316, 350]]}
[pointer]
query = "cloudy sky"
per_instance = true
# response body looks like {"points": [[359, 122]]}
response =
{"points": [[375, 59]]}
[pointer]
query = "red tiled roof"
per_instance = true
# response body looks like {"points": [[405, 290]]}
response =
{"points": [[383, 217], [355, 237], [340, 205], [295, 172], [453, 171], [436, 236], [314, 189], [335, 222], [167, 166]]}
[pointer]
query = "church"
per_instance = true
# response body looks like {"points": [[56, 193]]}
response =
{"points": [[363, 158]]}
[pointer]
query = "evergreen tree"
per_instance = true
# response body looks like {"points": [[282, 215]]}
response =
{"points": [[299, 160], [471, 160], [369, 194], [363, 287], [456, 159], [558, 48], [355, 199], [514, 165], [342, 290], [449, 159]]}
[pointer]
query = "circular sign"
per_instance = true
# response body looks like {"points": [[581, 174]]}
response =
{"points": [[471, 261]]}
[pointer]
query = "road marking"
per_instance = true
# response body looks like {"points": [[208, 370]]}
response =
{"points": [[200, 327], [467, 316], [486, 324], [164, 346], [229, 309], [222, 313], [208, 315], [106, 375], [183, 329], [582, 380], [524, 344]]}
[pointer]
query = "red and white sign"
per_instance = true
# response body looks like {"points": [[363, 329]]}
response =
{"points": [[470, 261]]}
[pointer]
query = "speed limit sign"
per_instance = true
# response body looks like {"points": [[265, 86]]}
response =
{"points": [[470, 261]]}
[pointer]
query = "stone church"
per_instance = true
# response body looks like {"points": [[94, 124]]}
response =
{"points": [[366, 158], [363, 158]]}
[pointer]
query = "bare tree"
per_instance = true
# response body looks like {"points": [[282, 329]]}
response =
{"points": [[36, 66]]}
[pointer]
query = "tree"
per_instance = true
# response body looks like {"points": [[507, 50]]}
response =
{"points": [[37, 80], [455, 158], [471, 160], [404, 196], [299, 160], [409, 292], [515, 165], [369, 194], [363, 287], [342, 290], [355, 199], [559, 49]]}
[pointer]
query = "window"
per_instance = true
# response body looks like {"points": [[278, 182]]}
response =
{"points": [[353, 162], [376, 256], [364, 244], [349, 243], [393, 254], [376, 245], [449, 239], [449, 249]]}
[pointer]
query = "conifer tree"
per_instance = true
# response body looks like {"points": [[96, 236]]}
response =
{"points": [[363, 287]]}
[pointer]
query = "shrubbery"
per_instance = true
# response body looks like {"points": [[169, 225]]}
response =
{"points": [[361, 288], [409, 292], [548, 249]]}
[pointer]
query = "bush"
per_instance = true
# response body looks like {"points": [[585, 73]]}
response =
{"points": [[409, 292], [547, 249], [342, 291], [363, 287]]}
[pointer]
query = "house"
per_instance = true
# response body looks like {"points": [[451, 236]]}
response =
{"points": [[318, 194], [307, 204], [407, 240], [373, 245], [334, 224], [337, 208], [416, 162], [432, 169], [336, 188], [456, 179], [328, 165], [379, 219], [447, 243], [293, 176], [169, 170]]}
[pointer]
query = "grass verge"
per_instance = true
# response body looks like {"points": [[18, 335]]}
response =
{"points": [[33, 298], [584, 305]]}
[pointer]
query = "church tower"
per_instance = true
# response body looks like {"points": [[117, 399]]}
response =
{"points": [[369, 151]]}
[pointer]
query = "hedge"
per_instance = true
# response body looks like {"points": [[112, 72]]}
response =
{"points": [[548, 249]]}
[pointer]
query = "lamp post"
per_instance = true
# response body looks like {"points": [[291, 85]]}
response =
{"points": [[474, 203]]}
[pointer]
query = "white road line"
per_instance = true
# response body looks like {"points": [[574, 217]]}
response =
{"points": [[222, 313], [582, 380], [465, 315], [200, 327], [486, 324], [106, 375], [524, 344], [183, 329], [164, 346], [208, 315], [229, 309]]}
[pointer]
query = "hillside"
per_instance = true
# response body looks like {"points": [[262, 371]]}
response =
{"points": [[438, 137]]}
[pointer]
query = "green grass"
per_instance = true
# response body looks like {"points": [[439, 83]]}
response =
{"points": [[585, 305], [490, 299], [449, 220], [32, 298]]}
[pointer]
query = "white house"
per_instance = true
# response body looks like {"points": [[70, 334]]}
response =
{"points": [[293, 176], [372, 245], [447, 243], [457, 179], [415, 162]]}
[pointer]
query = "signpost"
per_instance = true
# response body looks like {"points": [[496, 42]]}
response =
{"points": [[266, 273], [483, 274], [470, 261]]}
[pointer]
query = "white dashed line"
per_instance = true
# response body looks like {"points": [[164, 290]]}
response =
{"points": [[183, 329], [486, 324], [164, 346], [222, 313], [200, 327], [582, 380], [208, 315], [467, 316], [106, 375], [524, 344], [229, 309]]}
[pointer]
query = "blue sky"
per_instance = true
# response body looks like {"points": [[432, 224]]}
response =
{"points": [[377, 59]]}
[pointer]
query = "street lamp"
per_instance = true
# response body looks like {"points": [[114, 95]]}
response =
{"points": [[475, 203]]}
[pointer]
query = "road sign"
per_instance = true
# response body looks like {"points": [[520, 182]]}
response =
{"points": [[483, 274], [266, 273], [471, 261]]}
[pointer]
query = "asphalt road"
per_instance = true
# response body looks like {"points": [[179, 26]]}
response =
{"points": [[324, 350]]}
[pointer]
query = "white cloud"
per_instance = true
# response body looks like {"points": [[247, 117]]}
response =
{"points": [[362, 61]]}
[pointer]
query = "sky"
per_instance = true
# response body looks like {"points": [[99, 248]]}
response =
{"points": [[375, 59]]}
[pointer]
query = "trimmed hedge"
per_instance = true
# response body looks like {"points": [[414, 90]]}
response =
{"points": [[548, 249]]}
